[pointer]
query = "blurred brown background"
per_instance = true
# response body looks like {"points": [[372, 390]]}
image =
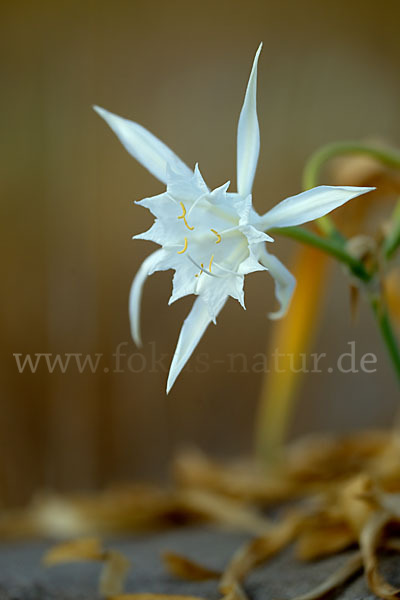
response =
{"points": [[328, 71]]}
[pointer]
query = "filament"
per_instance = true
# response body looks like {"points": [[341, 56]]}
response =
{"points": [[202, 269], [198, 274], [183, 216], [184, 247], [218, 236]]}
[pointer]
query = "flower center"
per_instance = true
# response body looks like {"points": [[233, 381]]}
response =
{"points": [[198, 244], [191, 228]]}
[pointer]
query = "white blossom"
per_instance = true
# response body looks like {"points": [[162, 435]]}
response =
{"points": [[212, 239]]}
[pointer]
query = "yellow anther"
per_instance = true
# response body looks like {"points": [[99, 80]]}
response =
{"points": [[209, 266], [184, 247], [217, 234], [183, 216], [198, 274]]}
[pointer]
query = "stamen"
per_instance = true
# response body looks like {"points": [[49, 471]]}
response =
{"points": [[198, 274], [183, 216], [202, 269], [212, 258], [195, 203], [218, 236], [184, 247]]}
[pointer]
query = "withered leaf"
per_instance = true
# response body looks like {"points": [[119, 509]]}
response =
{"points": [[182, 567]]}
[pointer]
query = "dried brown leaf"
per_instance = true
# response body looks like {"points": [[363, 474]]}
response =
{"points": [[153, 597], [356, 502], [370, 538], [324, 540], [115, 565], [322, 459], [236, 592], [182, 567], [259, 550], [245, 480], [348, 570], [223, 510], [113, 574], [125, 508], [316, 464], [74, 550], [385, 468]]}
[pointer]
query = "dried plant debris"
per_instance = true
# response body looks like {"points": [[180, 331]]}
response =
{"points": [[259, 550], [115, 565], [236, 593], [128, 509], [75, 550], [119, 509], [340, 494], [187, 569], [227, 512], [309, 465], [153, 597], [245, 480], [347, 571]]}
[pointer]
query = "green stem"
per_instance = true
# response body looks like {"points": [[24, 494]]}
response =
{"points": [[327, 245], [382, 317], [389, 158], [334, 243], [392, 242]]}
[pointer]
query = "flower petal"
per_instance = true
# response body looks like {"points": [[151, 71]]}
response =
{"points": [[148, 267], [153, 154], [181, 187], [184, 280], [254, 235], [248, 135], [284, 282], [192, 330], [215, 290], [309, 205], [251, 263]]}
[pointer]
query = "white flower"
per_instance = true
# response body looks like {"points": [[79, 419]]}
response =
{"points": [[212, 239]]}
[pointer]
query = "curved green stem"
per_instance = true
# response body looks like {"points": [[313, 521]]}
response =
{"points": [[334, 243], [327, 245], [312, 170], [392, 242], [383, 319], [390, 158]]}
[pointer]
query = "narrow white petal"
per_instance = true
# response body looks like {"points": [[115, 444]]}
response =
{"points": [[182, 187], [214, 291], [250, 265], [147, 267], [285, 283], [184, 281], [248, 135], [153, 154], [192, 330], [309, 205], [254, 235]]}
